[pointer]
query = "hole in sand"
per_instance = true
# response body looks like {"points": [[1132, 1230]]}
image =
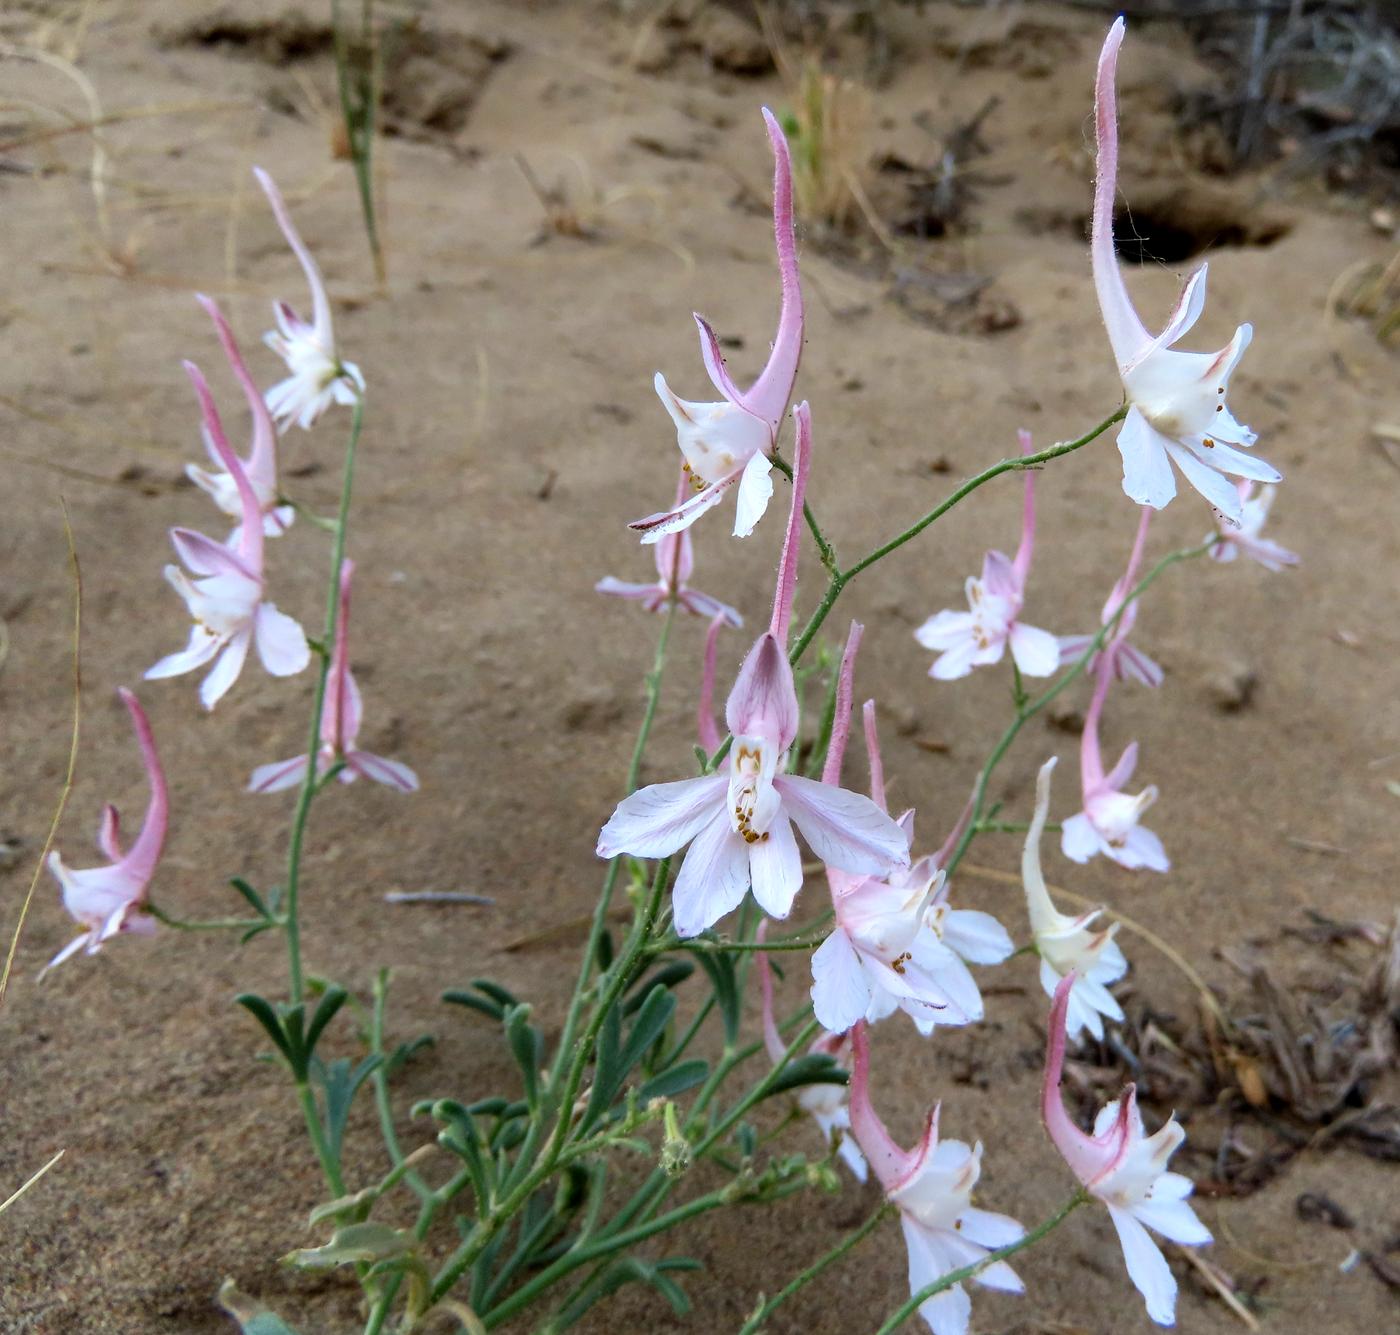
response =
{"points": [[1170, 228]]}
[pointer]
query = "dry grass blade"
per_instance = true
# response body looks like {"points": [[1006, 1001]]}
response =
{"points": [[14, 1196], [72, 752], [1220, 1283]]}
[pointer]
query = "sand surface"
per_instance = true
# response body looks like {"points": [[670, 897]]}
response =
{"points": [[512, 432]]}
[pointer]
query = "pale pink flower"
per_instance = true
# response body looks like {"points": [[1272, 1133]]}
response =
{"points": [[318, 375], [979, 636], [1129, 662], [1108, 823], [826, 1104], [1177, 412], [261, 464], [741, 823], [727, 444], [340, 724], [111, 900], [897, 944], [932, 1186], [226, 598], [675, 560], [1069, 946], [1245, 540], [1126, 1170]]}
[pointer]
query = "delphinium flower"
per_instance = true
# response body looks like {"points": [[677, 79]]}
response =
{"points": [[111, 900], [932, 1187], [318, 375], [1129, 662], [727, 444], [675, 560], [741, 823], [1245, 540], [1126, 1170], [1177, 411], [1069, 946], [261, 464], [826, 1104], [226, 597], [896, 943], [340, 724], [979, 636], [1108, 824]]}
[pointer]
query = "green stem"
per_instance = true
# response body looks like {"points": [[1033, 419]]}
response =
{"points": [[1029, 711], [840, 578], [604, 904], [755, 1323], [291, 917], [824, 547], [316, 1131], [206, 924], [618, 977], [947, 1281], [380, 1077], [616, 1242]]}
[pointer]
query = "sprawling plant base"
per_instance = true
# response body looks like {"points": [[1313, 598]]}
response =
{"points": [[659, 1061]]}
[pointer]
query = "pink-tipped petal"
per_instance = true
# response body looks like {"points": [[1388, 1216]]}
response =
{"points": [[715, 367], [391, 773], [655, 527], [844, 829], [655, 822], [279, 775], [620, 589]]}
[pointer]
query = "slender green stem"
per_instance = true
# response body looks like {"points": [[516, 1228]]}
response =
{"points": [[1011, 826], [725, 947], [616, 1242], [329, 1165], [760, 1090], [292, 918], [947, 1281], [840, 578], [205, 924], [618, 977], [755, 1323], [380, 1078], [604, 904], [1029, 711], [824, 547]]}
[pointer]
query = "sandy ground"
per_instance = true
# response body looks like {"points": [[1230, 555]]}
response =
{"points": [[512, 431]]}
